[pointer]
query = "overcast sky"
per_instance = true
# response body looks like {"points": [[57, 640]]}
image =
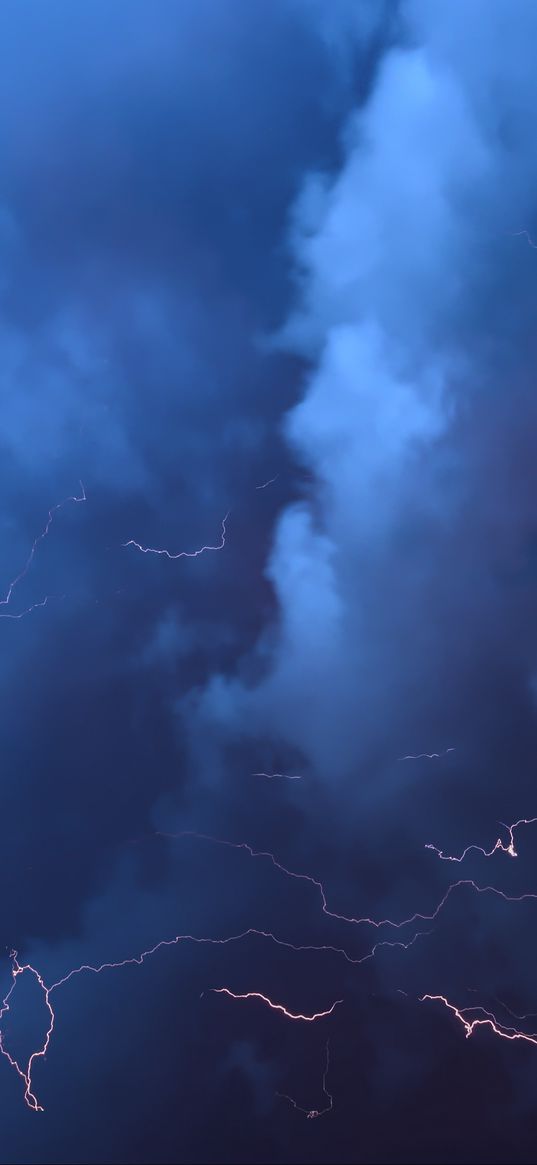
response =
{"points": [[268, 289]]}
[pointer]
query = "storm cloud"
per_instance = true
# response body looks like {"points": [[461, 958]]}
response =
{"points": [[239, 245]]}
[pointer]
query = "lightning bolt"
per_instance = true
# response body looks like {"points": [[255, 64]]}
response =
{"points": [[274, 776], [277, 1006], [498, 845], [313, 1113], [26, 1072], [514, 1014], [266, 483], [22, 573], [18, 969], [364, 921], [485, 1019], [427, 755], [181, 553], [516, 234]]}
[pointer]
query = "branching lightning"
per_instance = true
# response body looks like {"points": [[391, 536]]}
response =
{"points": [[471, 1018], [364, 921], [313, 1113], [499, 845], [26, 1073], [5, 602], [484, 1019]]}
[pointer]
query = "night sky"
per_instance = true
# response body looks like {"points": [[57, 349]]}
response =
{"points": [[268, 290]]}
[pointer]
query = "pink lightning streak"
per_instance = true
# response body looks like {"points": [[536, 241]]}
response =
{"points": [[276, 1006], [500, 1002], [498, 846], [365, 921], [137, 960], [181, 553], [312, 1113], [26, 1073], [22, 574], [489, 1020]]}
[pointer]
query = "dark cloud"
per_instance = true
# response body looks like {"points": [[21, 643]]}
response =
{"points": [[240, 245]]}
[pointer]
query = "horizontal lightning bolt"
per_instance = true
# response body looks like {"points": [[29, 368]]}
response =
{"points": [[137, 960], [427, 755], [181, 553], [276, 1006], [483, 1017], [275, 776], [486, 1019], [365, 921], [498, 845]]}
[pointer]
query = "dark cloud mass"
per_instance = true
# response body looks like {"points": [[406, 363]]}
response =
{"points": [[286, 245]]}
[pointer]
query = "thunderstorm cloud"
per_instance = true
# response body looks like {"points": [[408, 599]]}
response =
{"points": [[276, 262]]}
